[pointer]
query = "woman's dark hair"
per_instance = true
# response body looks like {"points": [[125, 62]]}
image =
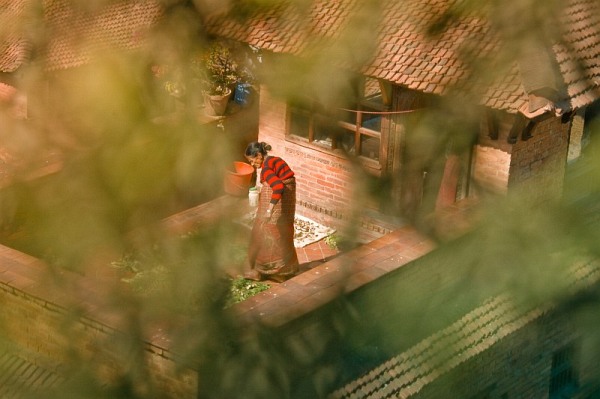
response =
{"points": [[255, 148]]}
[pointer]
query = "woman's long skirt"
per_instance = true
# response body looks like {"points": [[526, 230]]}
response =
{"points": [[271, 250]]}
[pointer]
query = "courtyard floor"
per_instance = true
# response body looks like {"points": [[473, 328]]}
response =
{"points": [[309, 256]]}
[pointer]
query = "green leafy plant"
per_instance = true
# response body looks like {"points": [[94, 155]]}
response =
{"points": [[242, 289], [217, 69], [339, 242], [332, 241], [147, 275], [144, 276]]}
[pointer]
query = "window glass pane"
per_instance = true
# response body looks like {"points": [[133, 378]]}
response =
{"points": [[344, 140], [328, 133], [323, 132], [371, 121], [369, 147], [337, 128], [345, 114], [299, 124]]}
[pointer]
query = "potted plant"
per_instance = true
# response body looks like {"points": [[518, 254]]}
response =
{"points": [[217, 71]]}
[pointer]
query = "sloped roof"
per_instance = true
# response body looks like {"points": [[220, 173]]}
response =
{"points": [[76, 34], [70, 35], [579, 55], [500, 316], [7, 92], [14, 47], [19, 374], [407, 55], [407, 373]]}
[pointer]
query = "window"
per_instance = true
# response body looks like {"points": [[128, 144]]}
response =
{"points": [[355, 128], [563, 376]]}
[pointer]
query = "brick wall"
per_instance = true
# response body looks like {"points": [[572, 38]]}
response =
{"points": [[517, 366], [534, 166], [54, 326], [491, 161], [272, 121], [537, 166], [491, 168], [429, 328], [423, 283], [327, 184], [324, 180]]}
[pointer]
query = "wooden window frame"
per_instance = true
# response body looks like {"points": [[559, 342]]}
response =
{"points": [[314, 113]]}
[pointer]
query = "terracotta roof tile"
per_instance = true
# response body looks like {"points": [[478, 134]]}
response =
{"points": [[402, 40], [77, 35], [410, 371], [406, 374], [74, 34], [14, 47], [7, 92], [579, 55], [20, 371]]}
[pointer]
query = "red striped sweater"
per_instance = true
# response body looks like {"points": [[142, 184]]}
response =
{"points": [[274, 171]]}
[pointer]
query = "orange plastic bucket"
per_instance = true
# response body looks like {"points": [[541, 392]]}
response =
{"points": [[237, 181]]}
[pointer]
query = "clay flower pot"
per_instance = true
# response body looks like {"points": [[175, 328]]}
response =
{"points": [[216, 104]]}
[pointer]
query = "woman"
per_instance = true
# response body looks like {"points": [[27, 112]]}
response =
{"points": [[271, 253]]}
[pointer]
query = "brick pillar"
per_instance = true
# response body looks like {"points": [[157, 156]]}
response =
{"points": [[537, 165], [447, 193]]}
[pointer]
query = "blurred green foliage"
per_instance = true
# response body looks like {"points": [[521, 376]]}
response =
{"points": [[125, 166]]}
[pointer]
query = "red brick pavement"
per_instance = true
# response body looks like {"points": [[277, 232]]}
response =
{"points": [[325, 272], [316, 252]]}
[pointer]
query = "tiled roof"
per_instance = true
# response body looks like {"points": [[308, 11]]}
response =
{"points": [[14, 48], [406, 55], [410, 371], [7, 92], [19, 376], [406, 374], [73, 34], [77, 34], [580, 53]]}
